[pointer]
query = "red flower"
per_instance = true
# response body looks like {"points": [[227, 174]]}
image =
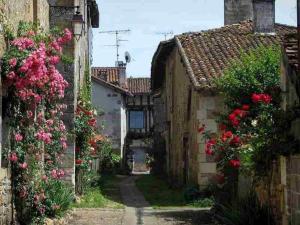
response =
{"points": [[222, 127], [235, 122], [228, 134], [245, 107], [78, 161], [266, 98], [232, 117], [209, 145], [236, 140], [237, 112], [235, 163], [201, 129], [256, 97], [92, 122]]}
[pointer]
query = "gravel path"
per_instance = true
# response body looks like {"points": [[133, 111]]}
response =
{"points": [[138, 212]]}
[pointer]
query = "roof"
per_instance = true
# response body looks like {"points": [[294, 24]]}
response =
{"points": [[109, 74], [290, 46], [207, 54], [111, 85], [139, 85]]}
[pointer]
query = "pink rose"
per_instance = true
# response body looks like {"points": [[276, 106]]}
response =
{"points": [[12, 62], [18, 137]]}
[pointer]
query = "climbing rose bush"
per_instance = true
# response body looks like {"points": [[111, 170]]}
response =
{"points": [[250, 135], [38, 137]]}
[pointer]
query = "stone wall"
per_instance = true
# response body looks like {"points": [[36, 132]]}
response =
{"points": [[291, 180], [61, 14], [208, 109]]}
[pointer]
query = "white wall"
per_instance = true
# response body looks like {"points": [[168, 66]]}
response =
{"points": [[112, 104]]}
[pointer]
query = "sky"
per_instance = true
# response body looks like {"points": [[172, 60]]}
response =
{"points": [[148, 18]]}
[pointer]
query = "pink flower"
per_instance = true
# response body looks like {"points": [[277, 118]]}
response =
{"points": [[11, 75], [12, 62], [23, 165], [29, 114], [54, 174], [54, 60], [60, 173], [49, 122], [13, 157], [44, 178], [44, 136], [18, 137]]}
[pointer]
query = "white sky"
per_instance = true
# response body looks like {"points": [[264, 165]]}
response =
{"points": [[146, 18]]}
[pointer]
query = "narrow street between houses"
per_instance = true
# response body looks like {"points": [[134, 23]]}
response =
{"points": [[137, 211]]}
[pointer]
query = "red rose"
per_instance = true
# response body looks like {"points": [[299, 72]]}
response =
{"points": [[245, 107], [222, 127], [201, 129], [237, 112], [78, 161], [235, 163], [266, 98], [256, 98], [228, 134], [235, 122], [236, 140], [231, 116], [92, 122]]}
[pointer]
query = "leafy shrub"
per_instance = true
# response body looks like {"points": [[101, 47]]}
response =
{"points": [[59, 196], [247, 211]]}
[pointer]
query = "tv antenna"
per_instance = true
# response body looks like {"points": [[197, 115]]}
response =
{"points": [[118, 40], [166, 34]]}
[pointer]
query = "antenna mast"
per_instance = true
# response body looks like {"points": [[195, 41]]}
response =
{"points": [[118, 40], [166, 34]]}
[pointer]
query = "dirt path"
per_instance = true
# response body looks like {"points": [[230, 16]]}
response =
{"points": [[138, 212]]}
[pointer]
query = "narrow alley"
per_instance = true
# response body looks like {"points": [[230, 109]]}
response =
{"points": [[138, 211]]}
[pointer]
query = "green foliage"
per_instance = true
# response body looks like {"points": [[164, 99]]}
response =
{"points": [[59, 197], [104, 192], [261, 127], [257, 71], [203, 203], [248, 211]]}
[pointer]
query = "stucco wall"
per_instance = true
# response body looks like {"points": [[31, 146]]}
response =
{"points": [[111, 103]]}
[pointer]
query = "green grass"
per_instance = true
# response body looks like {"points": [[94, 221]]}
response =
{"points": [[158, 193], [106, 195]]}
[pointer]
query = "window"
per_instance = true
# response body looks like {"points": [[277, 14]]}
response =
{"points": [[136, 120]]}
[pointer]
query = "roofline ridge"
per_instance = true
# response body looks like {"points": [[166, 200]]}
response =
{"points": [[187, 63]]}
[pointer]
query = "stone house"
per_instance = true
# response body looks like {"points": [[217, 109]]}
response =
{"points": [[126, 106], [61, 13], [183, 69], [289, 166]]}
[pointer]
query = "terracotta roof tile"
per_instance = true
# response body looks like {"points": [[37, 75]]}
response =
{"points": [[108, 74], [210, 52], [290, 44], [139, 85]]}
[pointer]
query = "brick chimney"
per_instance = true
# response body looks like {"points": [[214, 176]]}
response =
{"points": [[237, 10], [264, 16]]}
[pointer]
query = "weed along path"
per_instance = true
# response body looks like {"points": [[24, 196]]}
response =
{"points": [[136, 210]]}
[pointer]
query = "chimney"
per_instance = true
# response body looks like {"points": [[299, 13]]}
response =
{"points": [[264, 16], [237, 10]]}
